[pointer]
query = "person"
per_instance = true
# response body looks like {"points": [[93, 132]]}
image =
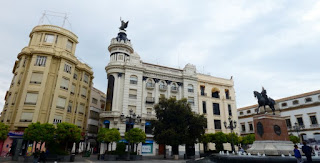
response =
{"points": [[36, 156], [241, 150], [307, 150], [297, 154], [9, 152], [42, 157]]}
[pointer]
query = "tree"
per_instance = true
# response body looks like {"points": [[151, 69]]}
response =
{"points": [[248, 139], [108, 136], [4, 130], [37, 132], [294, 139], [135, 136], [205, 139], [67, 133], [219, 139], [176, 123], [233, 138]]}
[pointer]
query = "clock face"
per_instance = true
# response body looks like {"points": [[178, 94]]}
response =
{"points": [[277, 129], [260, 129]]}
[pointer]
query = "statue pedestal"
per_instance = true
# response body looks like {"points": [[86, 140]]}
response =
{"points": [[271, 136]]}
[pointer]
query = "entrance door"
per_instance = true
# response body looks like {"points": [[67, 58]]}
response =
{"points": [[161, 149], [190, 150]]}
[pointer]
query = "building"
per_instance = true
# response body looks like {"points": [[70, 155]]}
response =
{"points": [[217, 102], [97, 104], [135, 86], [300, 110], [50, 85]]}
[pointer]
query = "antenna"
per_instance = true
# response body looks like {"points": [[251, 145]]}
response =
{"points": [[50, 16]]}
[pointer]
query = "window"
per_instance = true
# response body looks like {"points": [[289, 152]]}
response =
{"points": [[216, 109], [14, 98], [69, 109], [162, 86], [215, 93], [94, 115], [31, 98], [75, 76], [92, 129], [84, 92], [243, 128], [61, 102], [132, 93], [94, 101], [190, 88], [206, 125], [248, 111], [48, 38], [250, 127], [133, 79], [120, 57], [241, 113], [202, 88], [174, 87], [36, 77], [26, 117], [295, 102], [150, 84], [86, 78], [149, 111], [217, 124], [129, 126], [204, 107], [8, 99], [191, 100], [288, 122], [227, 94], [81, 108], [57, 39], [148, 129], [67, 68], [300, 121], [73, 88], [57, 119], [309, 99], [102, 104], [229, 110], [69, 45], [284, 104], [64, 83], [313, 120], [41, 61]]}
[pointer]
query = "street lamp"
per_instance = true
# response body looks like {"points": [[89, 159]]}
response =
{"points": [[130, 119], [297, 127], [232, 125]]}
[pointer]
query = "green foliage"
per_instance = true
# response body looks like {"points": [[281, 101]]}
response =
{"points": [[248, 139], [121, 148], [39, 132], [67, 132], [135, 135], [56, 148], [294, 139], [219, 139], [233, 137], [176, 123], [206, 138], [4, 130]]}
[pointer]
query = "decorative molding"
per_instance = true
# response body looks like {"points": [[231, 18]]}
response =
{"points": [[156, 80], [180, 84], [120, 74], [144, 78], [168, 81]]}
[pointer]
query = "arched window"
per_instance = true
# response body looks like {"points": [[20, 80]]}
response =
{"points": [[190, 88], [308, 99], [284, 104], [248, 111], [150, 83], [227, 94], [162, 86], [174, 87], [295, 102], [133, 79], [215, 93], [241, 113]]}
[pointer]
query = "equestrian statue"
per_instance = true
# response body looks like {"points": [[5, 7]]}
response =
{"points": [[264, 100]]}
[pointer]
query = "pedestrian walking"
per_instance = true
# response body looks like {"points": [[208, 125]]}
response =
{"points": [[297, 154], [36, 155], [307, 150]]}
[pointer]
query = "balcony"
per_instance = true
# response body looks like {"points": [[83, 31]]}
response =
{"points": [[203, 94], [162, 87], [150, 100], [109, 114], [174, 89], [149, 116], [314, 126], [190, 90], [150, 85]]}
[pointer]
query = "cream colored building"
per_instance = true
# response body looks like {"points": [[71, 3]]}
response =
{"points": [[50, 85], [217, 102]]}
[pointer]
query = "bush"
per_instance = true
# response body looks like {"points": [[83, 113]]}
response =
{"points": [[121, 148]]}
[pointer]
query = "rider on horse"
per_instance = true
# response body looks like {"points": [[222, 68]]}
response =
{"points": [[264, 95]]}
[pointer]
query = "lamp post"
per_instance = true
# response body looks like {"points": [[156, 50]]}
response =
{"points": [[130, 119], [232, 125], [297, 127]]}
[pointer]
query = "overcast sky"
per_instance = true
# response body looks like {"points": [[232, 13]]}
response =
{"points": [[274, 44]]}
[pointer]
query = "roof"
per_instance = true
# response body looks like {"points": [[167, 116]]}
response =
{"points": [[285, 99]]}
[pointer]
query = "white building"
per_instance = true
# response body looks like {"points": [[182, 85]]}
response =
{"points": [[301, 111]]}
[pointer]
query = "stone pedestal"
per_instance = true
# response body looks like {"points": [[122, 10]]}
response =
{"points": [[271, 136]]}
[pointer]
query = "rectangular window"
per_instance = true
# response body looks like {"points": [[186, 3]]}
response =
{"points": [[31, 98], [26, 117], [206, 126], [64, 83], [86, 78], [129, 126], [243, 128], [149, 111], [204, 107], [84, 92], [67, 68], [148, 128], [94, 115], [288, 122], [92, 129], [75, 76], [57, 119], [69, 45], [36, 77], [251, 127], [229, 110], [73, 88], [48, 38], [41, 61], [69, 109], [217, 124], [133, 80], [216, 109], [191, 100], [94, 101], [132, 93], [81, 108], [300, 121], [313, 120], [202, 91], [102, 104], [14, 98], [61, 102]]}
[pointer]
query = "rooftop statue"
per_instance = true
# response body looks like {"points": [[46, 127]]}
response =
{"points": [[264, 100], [124, 25]]}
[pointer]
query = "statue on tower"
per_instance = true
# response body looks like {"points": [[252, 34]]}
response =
{"points": [[124, 25], [264, 100]]}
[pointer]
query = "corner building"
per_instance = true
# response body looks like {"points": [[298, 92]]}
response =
{"points": [[50, 85], [135, 86]]}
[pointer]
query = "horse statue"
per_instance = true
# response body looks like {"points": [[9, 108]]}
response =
{"points": [[263, 101]]}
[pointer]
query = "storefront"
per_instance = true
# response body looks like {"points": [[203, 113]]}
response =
{"points": [[147, 147]]}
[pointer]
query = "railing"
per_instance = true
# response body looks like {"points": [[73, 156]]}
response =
{"points": [[203, 94], [190, 90], [133, 82], [174, 89], [150, 85], [109, 114], [314, 126], [150, 100], [162, 87]]}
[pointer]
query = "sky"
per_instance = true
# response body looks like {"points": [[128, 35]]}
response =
{"points": [[269, 43]]}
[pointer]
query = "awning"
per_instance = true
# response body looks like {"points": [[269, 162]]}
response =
{"points": [[106, 121], [149, 142]]}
